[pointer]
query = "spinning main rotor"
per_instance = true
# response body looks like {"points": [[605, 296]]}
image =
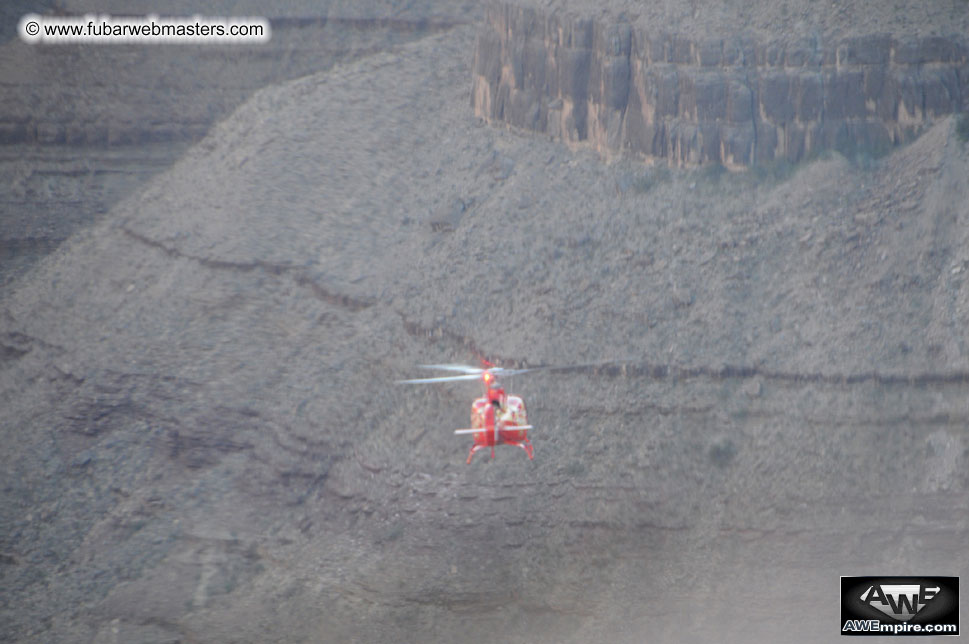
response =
{"points": [[488, 375]]}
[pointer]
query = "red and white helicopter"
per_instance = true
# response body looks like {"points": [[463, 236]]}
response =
{"points": [[496, 418]]}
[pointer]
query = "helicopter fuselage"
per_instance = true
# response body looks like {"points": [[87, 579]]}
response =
{"points": [[502, 425]]}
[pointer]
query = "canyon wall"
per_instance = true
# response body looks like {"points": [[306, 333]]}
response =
{"points": [[737, 100]]}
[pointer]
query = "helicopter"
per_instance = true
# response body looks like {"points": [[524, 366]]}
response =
{"points": [[496, 417]]}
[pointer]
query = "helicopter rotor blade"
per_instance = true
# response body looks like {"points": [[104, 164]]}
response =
{"points": [[467, 373], [422, 381], [491, 372]]}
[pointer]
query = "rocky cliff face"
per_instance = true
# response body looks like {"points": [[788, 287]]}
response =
{"points": [[735, 100]]}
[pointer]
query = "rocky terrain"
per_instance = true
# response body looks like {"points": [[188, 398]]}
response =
{"points": [[204, 441], [74, 139], [631, 86]]}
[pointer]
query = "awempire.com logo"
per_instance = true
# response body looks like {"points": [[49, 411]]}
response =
{"points": [[899, 605]]}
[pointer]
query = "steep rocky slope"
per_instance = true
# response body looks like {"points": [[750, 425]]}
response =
{"points": [[204, 442], [83, 126]]}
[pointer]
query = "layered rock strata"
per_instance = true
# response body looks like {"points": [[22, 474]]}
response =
{"points": [[734, 100]]}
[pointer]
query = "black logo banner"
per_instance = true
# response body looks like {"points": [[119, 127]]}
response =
{"points": [[899, 606]]}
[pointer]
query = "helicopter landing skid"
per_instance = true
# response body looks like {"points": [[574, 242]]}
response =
{"points": [[525, 445]]}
